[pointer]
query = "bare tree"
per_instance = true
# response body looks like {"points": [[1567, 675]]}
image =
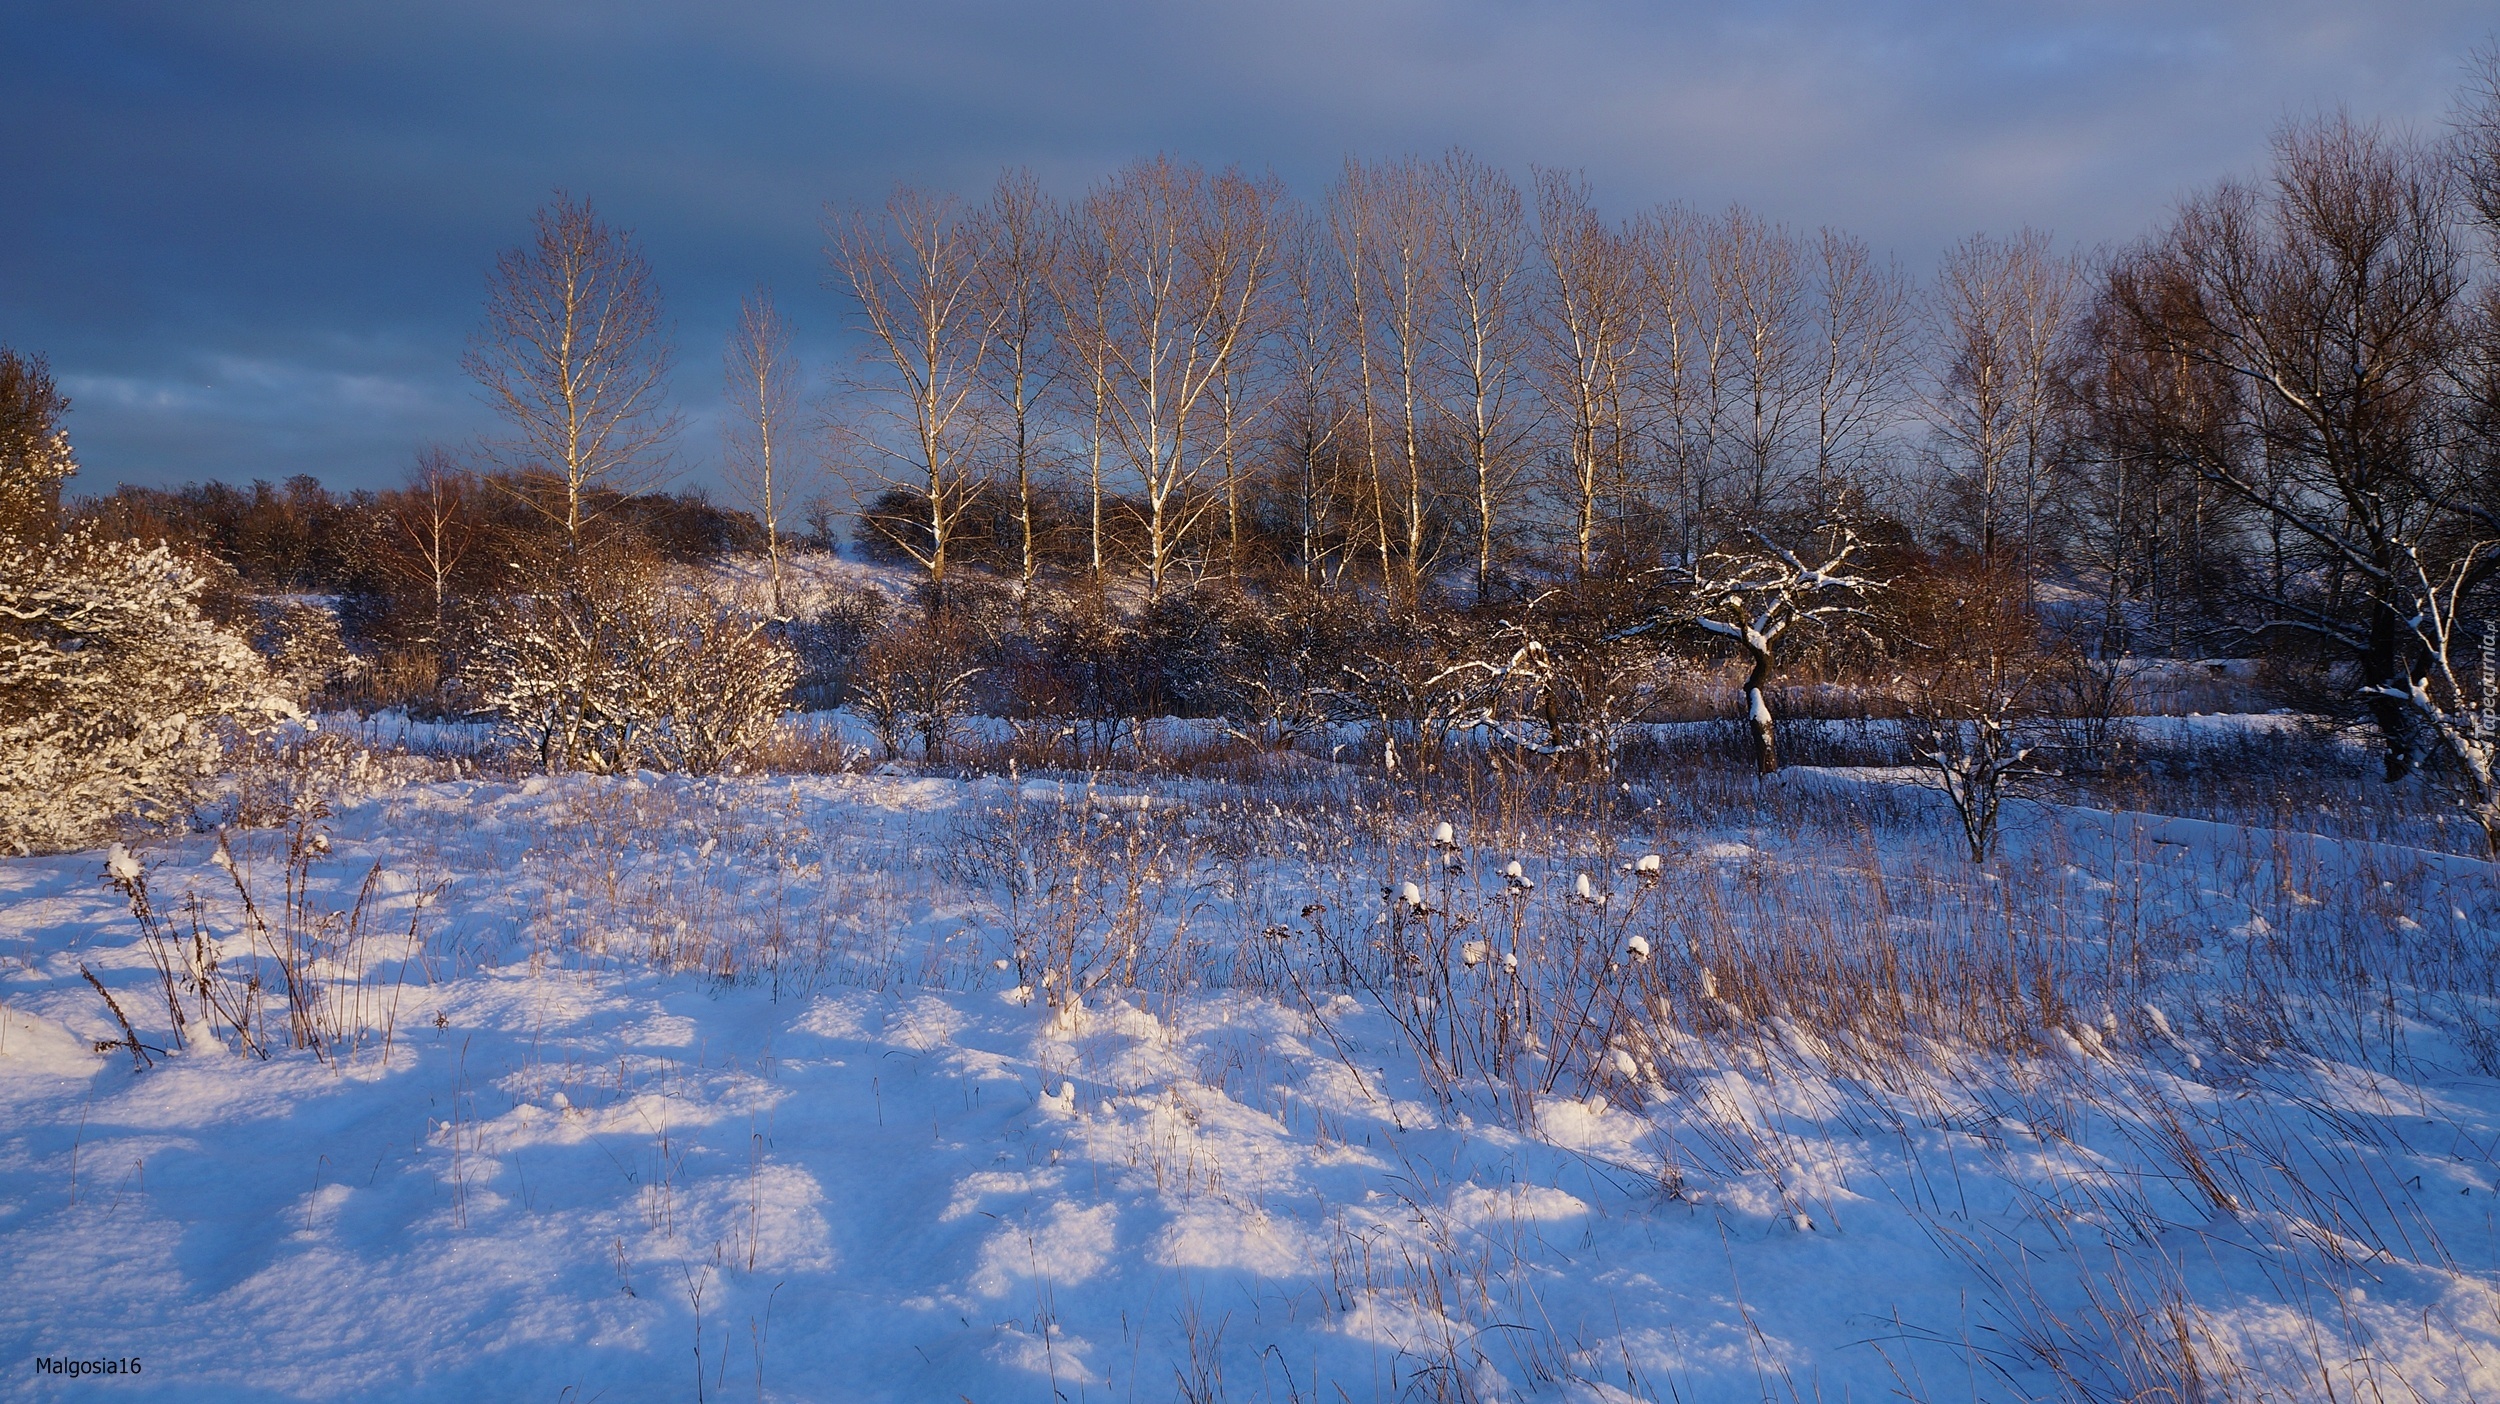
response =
{"points": [[1397, 270], [1481, 334], [1758, 281], [914, 270], [574, 356], [1350, 203], [1093, 256], [1861, 339], [764, 458], [1199, 252], [426, 530], [1311, 412], [2330, 302], [1754, 591], [1684, 362], [1020, 234], [2476, 148], [2135, 508], [2003, 309], [1588, 329]]}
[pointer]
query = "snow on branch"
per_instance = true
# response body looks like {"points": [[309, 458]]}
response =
{"points": [[2455, 700]]}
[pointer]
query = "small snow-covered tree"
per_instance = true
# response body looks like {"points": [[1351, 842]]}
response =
{"points": [[1556, 681], [1755, 592], [1977, 755], [118, 698], [550, 666]]}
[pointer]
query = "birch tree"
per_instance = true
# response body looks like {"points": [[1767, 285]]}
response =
{"points": [[1094, 254], [2002, 312], [913, 270], [1312, 412], [426, 531], [764, 454], [1197, 254], [1758, 283], [574, 356], [1481, 335], [1020, 233], [1397, 271], [1587, 332], [1861, 329]]}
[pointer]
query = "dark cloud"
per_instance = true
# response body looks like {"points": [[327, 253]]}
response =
{"points": [[252, 239]]}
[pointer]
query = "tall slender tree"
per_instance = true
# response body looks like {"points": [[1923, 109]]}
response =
{"points": [[1481, 336], [1587, 330], [1198, 252], [574, 355], [764, 455], [2002, 317], [913, 270], [1020, 230]]}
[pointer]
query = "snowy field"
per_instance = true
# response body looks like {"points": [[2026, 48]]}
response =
{"points": [[889, 1087]]}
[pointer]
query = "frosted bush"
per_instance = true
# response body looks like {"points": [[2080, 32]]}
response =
{"points": [[117, 696], [613, 679]]}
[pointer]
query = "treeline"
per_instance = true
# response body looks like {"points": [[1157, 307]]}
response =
{"points": [[2268, 426], [1441, 385], [402, 569], [300, 537]]}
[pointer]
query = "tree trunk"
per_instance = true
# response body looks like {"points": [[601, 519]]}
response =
{"points": [[2383, 666], [1758, 712]]}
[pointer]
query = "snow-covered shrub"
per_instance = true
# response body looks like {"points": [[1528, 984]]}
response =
{"points": [[1567, 680], [118, 698], [1274, 678], [720, 680], [304, 648], [553, 668], [612, 678]]}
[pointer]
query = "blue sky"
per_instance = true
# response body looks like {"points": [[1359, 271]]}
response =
{"points": [[252, 238]]}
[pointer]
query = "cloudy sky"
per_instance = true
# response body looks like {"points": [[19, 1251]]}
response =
{"points": [[251, 239]]}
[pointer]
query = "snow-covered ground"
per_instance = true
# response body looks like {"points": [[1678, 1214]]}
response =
{"points": [[774, 1088]]}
